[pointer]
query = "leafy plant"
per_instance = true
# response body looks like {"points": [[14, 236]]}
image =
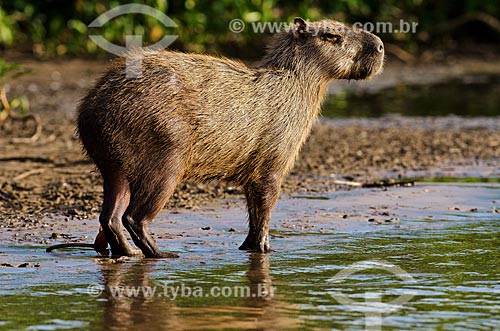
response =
{"points": [[17, 109], [59, 27]]}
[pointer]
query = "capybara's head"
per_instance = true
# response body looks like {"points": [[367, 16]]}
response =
{"points": [[342, 51]]}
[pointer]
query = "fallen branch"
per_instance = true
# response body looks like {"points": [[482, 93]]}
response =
{"points": [[383, 183], [348, 183], [387, 183], [69, 245], [38, 129], [13, 116], [29, 173]]}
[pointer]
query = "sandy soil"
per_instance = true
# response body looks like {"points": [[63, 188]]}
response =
{"points": [[51, 179]]}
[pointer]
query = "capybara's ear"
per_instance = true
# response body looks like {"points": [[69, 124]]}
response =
{"points": [[300, 26]]}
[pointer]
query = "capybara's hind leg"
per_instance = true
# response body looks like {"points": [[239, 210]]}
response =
{"points": [[140, 234], [116, 201], [143, 209], [261, 196], [148, 199]]}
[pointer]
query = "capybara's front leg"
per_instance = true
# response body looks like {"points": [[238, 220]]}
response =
{"points": [[261, 197]]}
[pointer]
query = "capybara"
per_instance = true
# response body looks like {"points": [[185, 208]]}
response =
{"points": [[203, 118]]}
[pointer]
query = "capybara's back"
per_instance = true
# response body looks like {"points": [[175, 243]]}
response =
{"points": [[205, 118]]}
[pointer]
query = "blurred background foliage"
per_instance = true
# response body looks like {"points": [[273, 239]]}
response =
{"points": [[48, 28]]}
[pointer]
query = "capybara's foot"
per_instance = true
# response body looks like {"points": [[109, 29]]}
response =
{"points": [[121, 249], [255, 245], [101, 243], [126, 251]]}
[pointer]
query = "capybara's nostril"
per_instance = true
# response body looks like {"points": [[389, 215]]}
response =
{"points": [[380, 48]]}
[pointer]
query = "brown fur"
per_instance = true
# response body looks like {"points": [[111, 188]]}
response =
{"points": [[204, 118]]}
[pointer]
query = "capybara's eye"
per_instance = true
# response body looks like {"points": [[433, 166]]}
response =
{"points": [[330, 37]]}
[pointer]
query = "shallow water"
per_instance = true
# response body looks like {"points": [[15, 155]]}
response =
{"points": [[440, 255], [470, 96]]}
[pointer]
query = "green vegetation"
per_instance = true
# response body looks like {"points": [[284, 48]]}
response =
{"points": [[59, 27], [17, 108], [469, 180], [8, 73]]}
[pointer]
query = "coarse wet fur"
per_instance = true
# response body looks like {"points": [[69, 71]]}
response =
{"points": [[205, 118]]}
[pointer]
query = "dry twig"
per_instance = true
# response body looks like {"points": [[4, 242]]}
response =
{"points": [[12, 115]]}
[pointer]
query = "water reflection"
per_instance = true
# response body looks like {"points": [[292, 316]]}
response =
{"points": [[144, 310], [128, 312]]}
